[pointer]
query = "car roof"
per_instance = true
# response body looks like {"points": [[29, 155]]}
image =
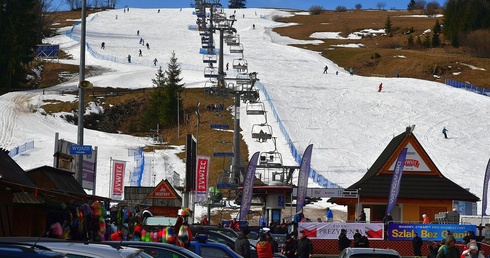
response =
{"points": [[88, 249], [20, 250], [156, 245], [363, 250]]}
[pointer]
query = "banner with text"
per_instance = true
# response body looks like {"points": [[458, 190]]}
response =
{"points": [[303, 178], [248, 186], [396, 180], [118, 168], [202, 175], [323, 230], [428, 232], [485, 190]]}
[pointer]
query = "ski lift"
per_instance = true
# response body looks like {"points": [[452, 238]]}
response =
{"points": [[206, 40], [207, 59], [228, 180], [211, 72], [262, 132], [243, 82], [250, 96], [236, 48], [233, 40], [256, 108], [205, 33], [218, 126], [270, 158], [240, 65], [221, 149]]}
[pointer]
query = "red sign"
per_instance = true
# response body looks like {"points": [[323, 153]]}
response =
{"points": [[118, 179], [163, 191], [202, 174]]}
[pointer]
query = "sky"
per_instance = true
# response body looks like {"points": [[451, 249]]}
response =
{"points": [[346, 119], [292, 4]]}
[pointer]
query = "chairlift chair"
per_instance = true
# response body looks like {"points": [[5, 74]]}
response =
{"points": [[228, 180], [270, 158], [211, 72], [209, 58], [262, 132], [250, 96], [256, 108], [236, 49], [233, 40], [240, 65], [222, 149]]}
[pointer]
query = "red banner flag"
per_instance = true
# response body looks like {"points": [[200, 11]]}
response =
{"points": [[118, 168], [202, 171]]}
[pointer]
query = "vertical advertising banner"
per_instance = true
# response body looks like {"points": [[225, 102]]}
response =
{"points": [[202, 175], [248, 186], [395, 181], [485, 190], [118, 168], [303, 178], [89, 166]]}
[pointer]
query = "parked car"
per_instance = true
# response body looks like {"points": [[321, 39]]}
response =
{"points": [[77, 249], [230, 242], [210, 249], [358, 252], [198, 229], [157, 250], [158, 222], [14, 250]]}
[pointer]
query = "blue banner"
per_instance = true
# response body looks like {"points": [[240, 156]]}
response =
{"points": [[303, 178], [428, 232], [485, 189], [248, 186], [395, 181]]}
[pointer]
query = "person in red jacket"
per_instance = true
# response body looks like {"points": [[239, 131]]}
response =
{"points": [[118, 235], [264, 247], [234, 224]]}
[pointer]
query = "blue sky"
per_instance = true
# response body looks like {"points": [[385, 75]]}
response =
{"points": [[296, 4]]}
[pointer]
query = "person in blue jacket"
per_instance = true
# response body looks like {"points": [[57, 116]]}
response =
{"points": [[444, 131]]}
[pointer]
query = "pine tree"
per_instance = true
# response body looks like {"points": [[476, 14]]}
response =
{"points": [[155, 113], [173, 90], [411, 5], [237, 3], [388, 25], [410, 41], [19, 38]]}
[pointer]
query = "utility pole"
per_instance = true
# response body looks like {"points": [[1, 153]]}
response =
{"points": [[81, 92]]}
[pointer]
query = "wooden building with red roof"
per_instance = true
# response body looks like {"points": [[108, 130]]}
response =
{"points": [[423, 188]]}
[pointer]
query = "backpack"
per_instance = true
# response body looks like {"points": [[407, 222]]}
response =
{"points": [[443, 248]]}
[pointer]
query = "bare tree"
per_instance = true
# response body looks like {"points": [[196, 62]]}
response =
{"points": [[431, 9], [96, 3], [381, 5], [358, 6]]}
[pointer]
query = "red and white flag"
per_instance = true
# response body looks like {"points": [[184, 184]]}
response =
{"points": [[118, 168], [202, 175]]}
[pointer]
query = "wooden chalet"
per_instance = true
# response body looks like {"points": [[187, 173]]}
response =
{"points": [[31, 201], [161, 200], [423, 188]]}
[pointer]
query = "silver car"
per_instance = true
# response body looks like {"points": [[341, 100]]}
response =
{"points": [[81, 250], [359, 252]]}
